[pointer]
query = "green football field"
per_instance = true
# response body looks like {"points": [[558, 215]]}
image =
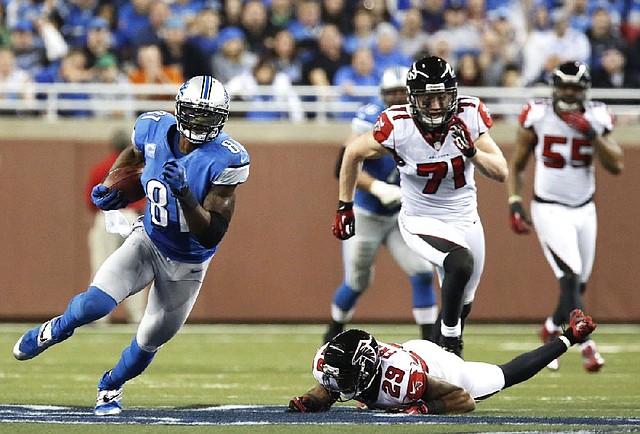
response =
{"points": [[213, 365]]}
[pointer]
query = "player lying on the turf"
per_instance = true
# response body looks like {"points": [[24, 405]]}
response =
{"points": [[418, 376]]}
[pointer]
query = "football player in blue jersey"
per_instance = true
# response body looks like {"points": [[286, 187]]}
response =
{"points": [[191, 171], [376, 205]]}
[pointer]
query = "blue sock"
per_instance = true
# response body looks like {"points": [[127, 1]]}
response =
{"points": [[133, 362], [423, 292], [345, 297], [83, 309]]}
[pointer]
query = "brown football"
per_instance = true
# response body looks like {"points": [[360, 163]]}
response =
{"points": [[126, 180]]}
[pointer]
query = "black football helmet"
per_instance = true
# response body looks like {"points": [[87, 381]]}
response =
{"points": [[433, 92], [350, 363], [570, 82]]}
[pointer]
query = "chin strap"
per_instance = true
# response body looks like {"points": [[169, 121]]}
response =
{"points": [[561, 106], [434, 136]]}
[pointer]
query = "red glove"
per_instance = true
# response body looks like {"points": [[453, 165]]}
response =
{"points": [[462, 137], [344, 222], [518, 218], [418, 407], [304, 404], [578, 122]]}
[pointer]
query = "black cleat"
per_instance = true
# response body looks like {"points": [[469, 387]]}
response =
{"points": [[452, 344]]}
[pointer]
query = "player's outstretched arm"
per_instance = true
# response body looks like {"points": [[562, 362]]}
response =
{"points": [[315, 400]]}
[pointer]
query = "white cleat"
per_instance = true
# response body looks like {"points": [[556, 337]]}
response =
{"points": [[554, 365]]}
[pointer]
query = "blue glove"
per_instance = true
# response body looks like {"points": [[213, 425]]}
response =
{"points": [[106, 199], [176, 178]]}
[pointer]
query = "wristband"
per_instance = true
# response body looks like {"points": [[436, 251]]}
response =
{"points": [[566, 341], [515, 198], [470, 153], [344, 206], [217, 227]]}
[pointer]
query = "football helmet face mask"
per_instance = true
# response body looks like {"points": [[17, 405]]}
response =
{"points": [[202, 108], [570, 82], [393, 85], [350, 363], [433, 92]]}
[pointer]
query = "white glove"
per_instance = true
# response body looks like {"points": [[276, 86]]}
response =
{"points": [[389, 194]]}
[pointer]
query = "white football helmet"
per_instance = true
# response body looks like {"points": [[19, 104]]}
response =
{"points": [[393, 85], [202, 108]]}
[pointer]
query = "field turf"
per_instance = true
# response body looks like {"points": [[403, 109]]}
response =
{"points": [[239, 378]]}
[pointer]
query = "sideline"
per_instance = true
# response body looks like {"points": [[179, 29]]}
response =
{"points": [[318, 329]]}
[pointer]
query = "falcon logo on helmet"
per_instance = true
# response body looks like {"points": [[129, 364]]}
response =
{"points": [[350, 363], [202, 109]]}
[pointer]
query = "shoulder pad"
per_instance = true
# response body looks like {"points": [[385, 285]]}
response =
{"points": [[233, 148], [383, 127], [601, 114], [149, 124], [532, 111]]}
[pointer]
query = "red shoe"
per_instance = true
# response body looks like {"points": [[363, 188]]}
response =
{"points": [[591, 358], [580, 324]]}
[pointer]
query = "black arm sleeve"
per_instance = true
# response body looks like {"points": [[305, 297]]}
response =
{"points": [[217, 228]]}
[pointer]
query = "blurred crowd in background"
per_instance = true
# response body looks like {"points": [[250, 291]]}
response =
{"points": [[284, 43]]}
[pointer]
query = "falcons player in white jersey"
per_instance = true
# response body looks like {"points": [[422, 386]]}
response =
{"points": [[418, 376], [564, 134], [437, 140]]}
